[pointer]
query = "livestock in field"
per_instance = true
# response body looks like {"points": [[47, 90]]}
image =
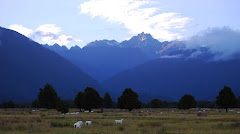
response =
{"points": [[88, 123], [80, 122], [77, 125], [119, 121]]}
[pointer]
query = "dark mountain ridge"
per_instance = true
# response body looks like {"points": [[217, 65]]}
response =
{"points": [[27, 66], [104, 58], [165, 70], [174, 77]]}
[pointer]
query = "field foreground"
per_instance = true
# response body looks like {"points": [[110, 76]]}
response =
{"points": [[142, 121]]}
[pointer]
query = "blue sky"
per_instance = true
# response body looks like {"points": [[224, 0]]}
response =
{"points": [[78, 22]]}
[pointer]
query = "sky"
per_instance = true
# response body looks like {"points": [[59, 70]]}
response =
{"points": [[78, 22]]}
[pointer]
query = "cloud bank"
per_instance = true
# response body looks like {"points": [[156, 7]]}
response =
{"points": [[21, 29], [46, 34], [223, 42], [137, 16], [171, 56]]}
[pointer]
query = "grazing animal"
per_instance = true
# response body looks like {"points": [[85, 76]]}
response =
{"points": [[88, 123], [80, 122], [77, 125], [119, 121], [87, 111]]}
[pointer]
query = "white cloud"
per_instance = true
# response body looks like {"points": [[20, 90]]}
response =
{"points": [[61, 40], [46, 34], [137, 16], [223, 42], [21, 29], [48, 29]]}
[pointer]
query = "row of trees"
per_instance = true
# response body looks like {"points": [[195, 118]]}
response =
{"points": [[90, 98], [226, 99], [87, 100], [129, 100]]}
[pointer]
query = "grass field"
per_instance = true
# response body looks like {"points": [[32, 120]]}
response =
{"points": [[142, 121]]}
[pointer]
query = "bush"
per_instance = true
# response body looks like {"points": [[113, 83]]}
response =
{"points": [[156, 103], [120, 128], [9, 104], [60, 124], [206, 104], [62, 107], [35, 104], [161, 130]]}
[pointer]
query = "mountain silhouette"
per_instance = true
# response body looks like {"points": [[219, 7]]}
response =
{"points": [[102, 59], [174, 77], [26, 66], [165, 70]]}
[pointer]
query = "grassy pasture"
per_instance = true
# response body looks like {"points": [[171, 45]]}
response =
{"points": [[142, 121]]}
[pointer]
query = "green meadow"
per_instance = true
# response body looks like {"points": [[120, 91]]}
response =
{"points": [[140, 121]]}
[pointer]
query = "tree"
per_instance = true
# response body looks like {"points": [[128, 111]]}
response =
{"points": [[108, 103], [187, 102], [156, 103], [35, 104], [170, 104], [9, 104], [91, 99], [226, 98], [238, 104], [47, 97], [62, 107], [129, 100], [78, 101]]}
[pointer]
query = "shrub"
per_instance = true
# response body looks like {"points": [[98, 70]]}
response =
{"points": [[120, 128]]}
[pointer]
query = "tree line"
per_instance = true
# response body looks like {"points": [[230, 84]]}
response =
{"points": [[90, 99]]}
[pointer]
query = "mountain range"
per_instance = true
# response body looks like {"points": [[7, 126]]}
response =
{"points": [[26, 66], [104, 58], [154, 69]]}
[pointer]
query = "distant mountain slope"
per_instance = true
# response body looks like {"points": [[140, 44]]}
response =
{"points": [[107, 61], [104, 58], [174, 77], [104, 61], [26, 66]]}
